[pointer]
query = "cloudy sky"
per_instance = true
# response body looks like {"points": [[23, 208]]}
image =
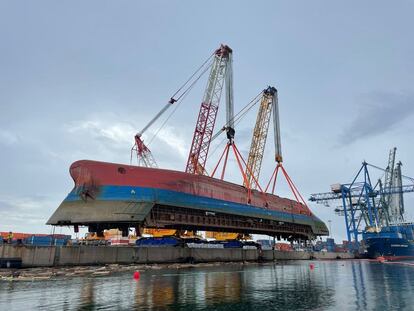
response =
{"points": [[78, 79]]}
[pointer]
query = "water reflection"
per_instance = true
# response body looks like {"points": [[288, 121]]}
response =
{"points": [[182, 288], [359, 286], [335, 285], [87, 294], [292, 287], [392, 285]]}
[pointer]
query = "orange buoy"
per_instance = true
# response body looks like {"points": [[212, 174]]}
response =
{"points": [[137, 275]]}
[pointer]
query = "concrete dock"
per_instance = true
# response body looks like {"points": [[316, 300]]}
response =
{"points": [[55, 256]]}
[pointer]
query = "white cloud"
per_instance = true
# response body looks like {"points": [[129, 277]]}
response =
{"points": [[171, 136], [118, 133], [25, 203], [26, 213], [105, 138]]}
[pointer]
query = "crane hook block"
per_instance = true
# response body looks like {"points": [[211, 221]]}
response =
{"points": [[230, 132], [279, 159]]}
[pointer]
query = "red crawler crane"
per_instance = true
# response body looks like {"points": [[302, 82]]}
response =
{"points": [[219, 71], [220, 74], [143, 154]]}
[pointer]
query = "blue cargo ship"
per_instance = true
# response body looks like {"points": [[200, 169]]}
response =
{"points": [[394, 242]]}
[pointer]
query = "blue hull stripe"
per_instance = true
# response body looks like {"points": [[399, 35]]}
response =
{"points": [[174, 198]]}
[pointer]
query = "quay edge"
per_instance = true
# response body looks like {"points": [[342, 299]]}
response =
{"points": [[55, 256]]}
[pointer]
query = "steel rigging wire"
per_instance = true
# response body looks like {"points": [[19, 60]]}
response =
{"points": [[179, 100], [237, 119]]}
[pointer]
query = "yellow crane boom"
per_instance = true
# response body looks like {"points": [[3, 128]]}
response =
{"points": [[254, 162]]}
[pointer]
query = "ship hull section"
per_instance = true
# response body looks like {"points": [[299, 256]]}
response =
{"points": [[390, 248], [115, 193]]}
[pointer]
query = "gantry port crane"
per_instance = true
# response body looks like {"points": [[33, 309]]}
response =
{"points": [[367, 206]]}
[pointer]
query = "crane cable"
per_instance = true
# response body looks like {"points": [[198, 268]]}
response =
{"points": [[192, 76], [236, 119], [381, 169], [238, 116], [206, 65], [179, 101], [252, 103]]}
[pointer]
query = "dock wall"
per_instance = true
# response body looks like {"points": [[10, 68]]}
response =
{"points": [[48, 256]]}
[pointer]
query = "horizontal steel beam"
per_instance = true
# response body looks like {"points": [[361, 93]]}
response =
{"points": [[192, 219]]}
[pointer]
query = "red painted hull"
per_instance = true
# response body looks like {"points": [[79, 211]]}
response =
{"points": [[109, 193], [92, 173]]}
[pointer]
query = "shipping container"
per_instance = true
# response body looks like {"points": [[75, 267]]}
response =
{"points": [[159, 242]]}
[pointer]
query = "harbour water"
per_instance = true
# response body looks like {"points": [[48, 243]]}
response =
{"points": [[295, 285]]}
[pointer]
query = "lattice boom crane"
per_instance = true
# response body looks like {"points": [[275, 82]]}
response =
{"points": [[143, 153], [220, 75], [257, 147]]}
